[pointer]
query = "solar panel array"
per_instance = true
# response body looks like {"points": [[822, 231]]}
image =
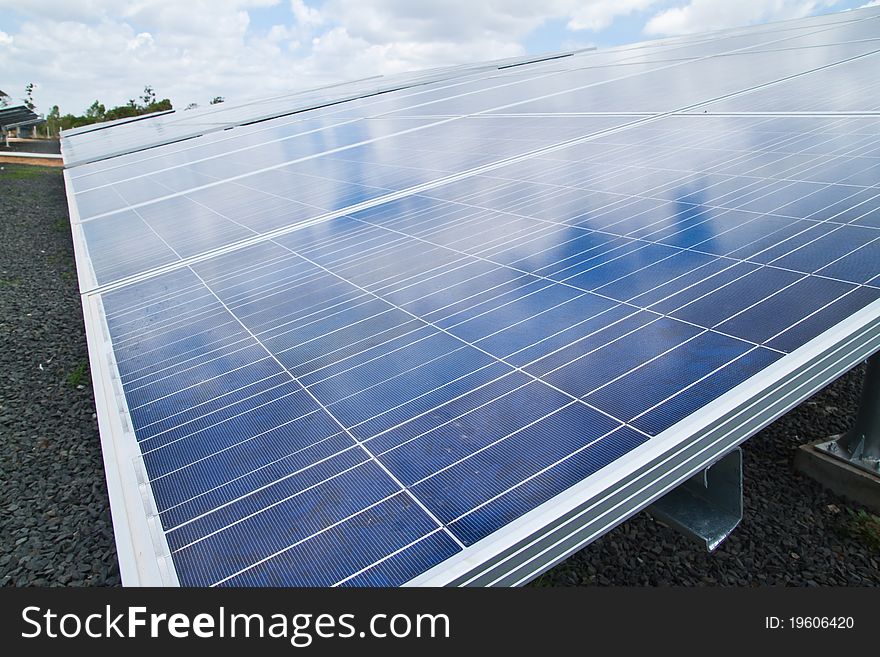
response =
{"points": [[19, 115], [177, 126], [427, 330]]}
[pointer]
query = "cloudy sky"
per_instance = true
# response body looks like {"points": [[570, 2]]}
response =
{"points": [[76, 51]]}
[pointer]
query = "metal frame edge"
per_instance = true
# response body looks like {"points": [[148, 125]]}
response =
{"points": [[142, 553]]}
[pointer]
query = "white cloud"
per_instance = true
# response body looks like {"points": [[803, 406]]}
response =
{"points": [[193, 50], [61, 10], [305, 16], [188, 51], [873, 3], [389, 36], [706, 15], [283, 37], [141, 40], [598, 15]]}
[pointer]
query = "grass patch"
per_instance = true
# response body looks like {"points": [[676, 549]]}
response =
{"points": [[23, 172], [10, 282], [863, 527], [79, 376], [61, 225]]}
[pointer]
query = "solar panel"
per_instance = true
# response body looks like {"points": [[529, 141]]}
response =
{"points": [[450, 335], [140, 133], [104, 125], [160, 128], [11, 117]]}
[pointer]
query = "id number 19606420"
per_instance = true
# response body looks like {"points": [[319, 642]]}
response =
{"points": [[809, 623]]}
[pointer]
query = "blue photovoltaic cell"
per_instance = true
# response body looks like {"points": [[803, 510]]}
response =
{"points": [[823, 319], [233, 197], [355, 398], [764, 320], [585, 460], [108, 243], [853, 89], [388, 527], [494, 469], [420, 457], [402, 566], [681, 404], [736, 297], [666, 374]]}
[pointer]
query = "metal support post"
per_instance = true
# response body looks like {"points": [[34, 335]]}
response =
{"points": [[708, 506], [860, 446], [850, 464]]}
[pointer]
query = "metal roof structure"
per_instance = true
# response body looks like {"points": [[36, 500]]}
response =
{"points": [[17, 116], [448, 328]]}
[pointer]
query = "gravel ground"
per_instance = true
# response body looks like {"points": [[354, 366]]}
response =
{"points": [[54, 516], [55, 526]]}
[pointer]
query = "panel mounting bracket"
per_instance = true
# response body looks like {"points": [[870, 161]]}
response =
{"points": [[860, 446], [708, 506], [849, 464]]}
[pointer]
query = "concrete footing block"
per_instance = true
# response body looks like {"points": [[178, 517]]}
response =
{"points": [[847, 481]]}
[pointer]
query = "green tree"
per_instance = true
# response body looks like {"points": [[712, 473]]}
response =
{"points": [[149, 96], [144, 104], [162, 106], [69, 121], [53, 121], [95, 112], [121, 112]]}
